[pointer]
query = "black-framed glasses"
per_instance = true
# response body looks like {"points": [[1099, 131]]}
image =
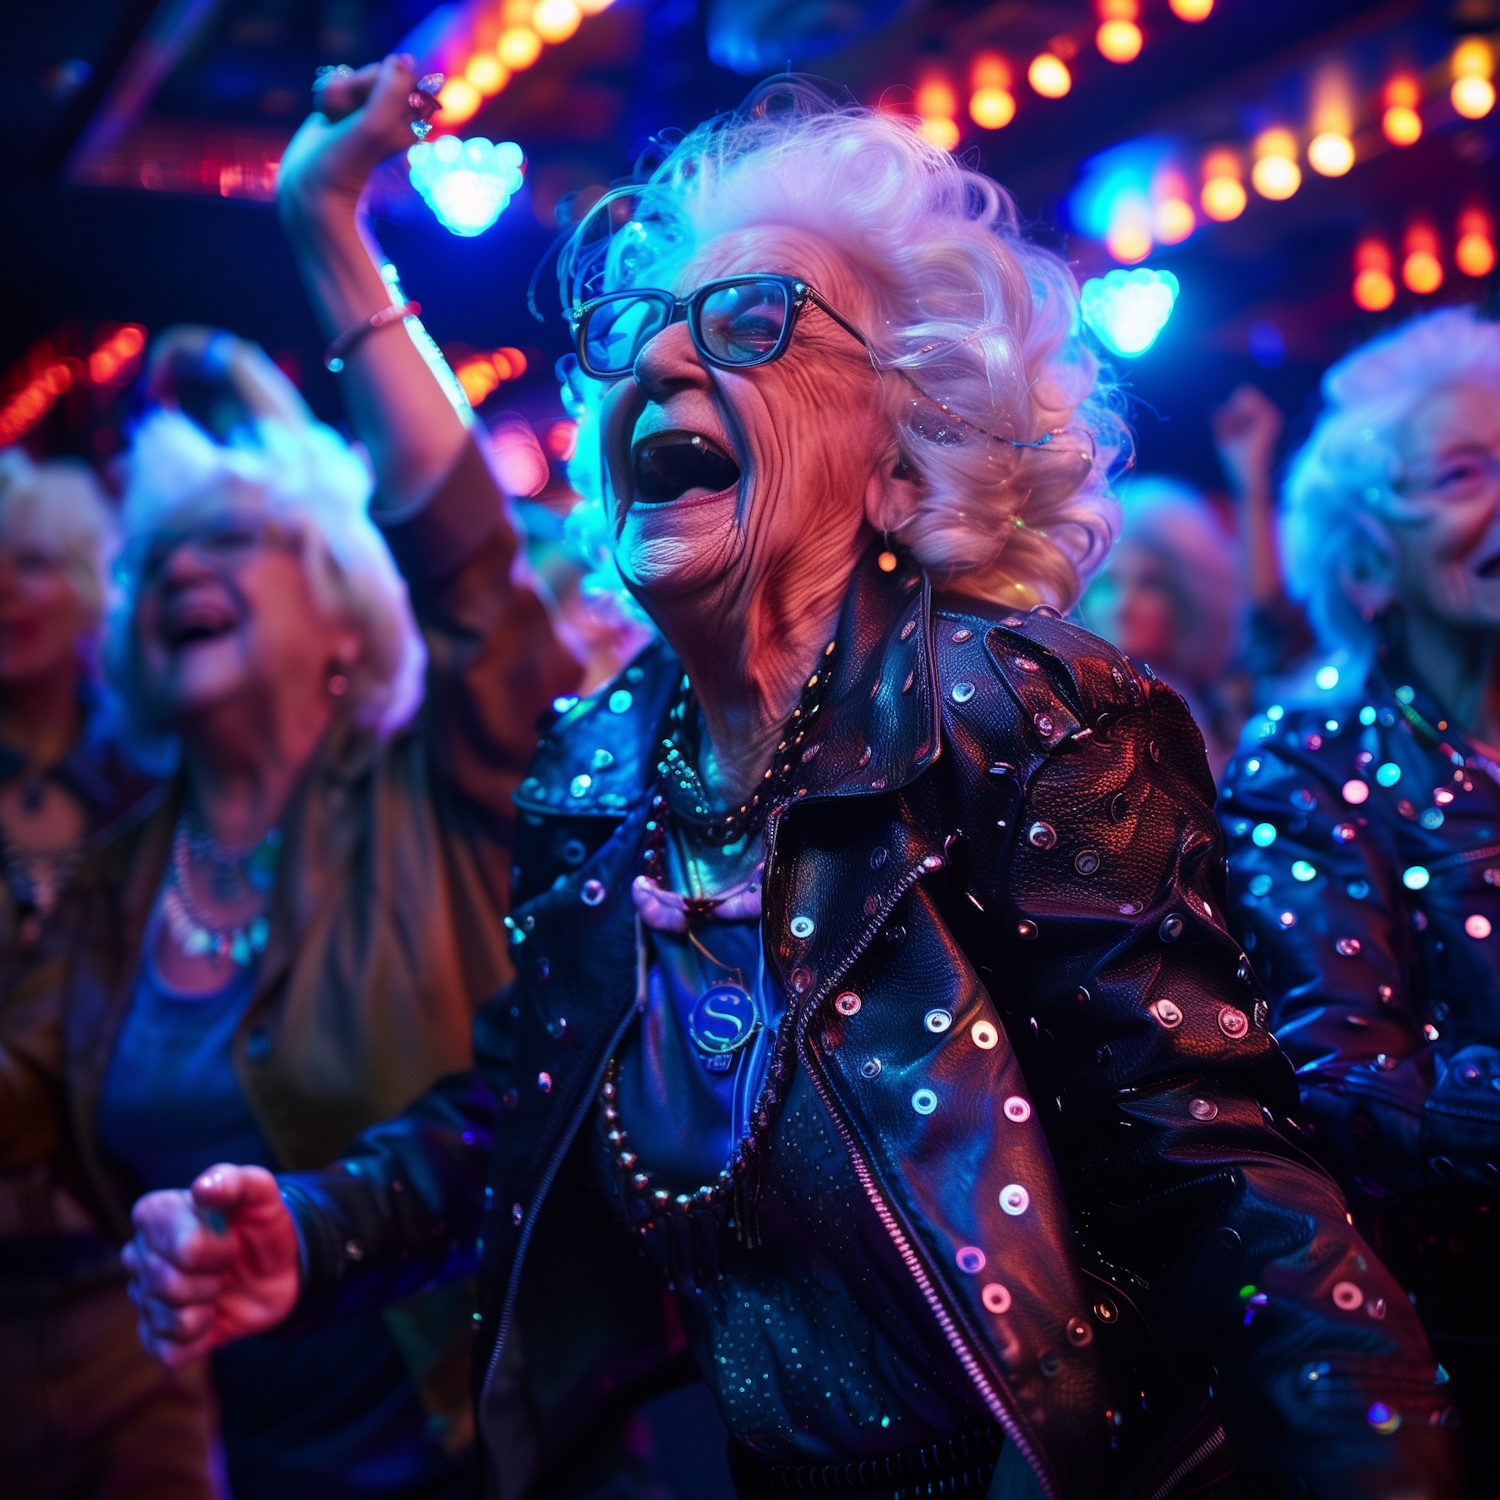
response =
{"points": [[735, 323], [224, 541]]}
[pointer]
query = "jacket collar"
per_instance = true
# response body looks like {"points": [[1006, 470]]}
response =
{"points": [[877, 725]]}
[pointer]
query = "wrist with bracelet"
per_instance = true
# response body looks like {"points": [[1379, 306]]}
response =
{"points": [[338, 352]]}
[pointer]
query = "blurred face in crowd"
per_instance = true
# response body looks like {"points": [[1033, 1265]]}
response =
{"points": [[722, 477], [1137, 606], [1446, 520], [42, 621], [226, 610]]}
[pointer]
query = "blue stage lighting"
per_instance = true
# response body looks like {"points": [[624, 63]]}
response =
{"points": [[465, 183], [1127, 309]]}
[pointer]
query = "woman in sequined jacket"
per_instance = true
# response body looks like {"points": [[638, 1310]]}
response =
{"points": [[1364, 822], [877, 1040]]}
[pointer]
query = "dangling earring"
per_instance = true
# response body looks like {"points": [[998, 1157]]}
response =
{"points": [[338, 682], [887, 559]]}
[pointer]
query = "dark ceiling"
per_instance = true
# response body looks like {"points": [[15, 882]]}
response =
{"points": [[97, 90]]}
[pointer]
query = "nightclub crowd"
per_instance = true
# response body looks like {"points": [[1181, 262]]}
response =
{"points": [[983, 957]]}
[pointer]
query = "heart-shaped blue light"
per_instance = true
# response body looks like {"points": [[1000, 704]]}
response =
{"points": [[465, 183], [1127, 309]]}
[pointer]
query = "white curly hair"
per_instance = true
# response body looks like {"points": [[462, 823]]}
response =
{"points": [[314, 483], [1339, 487], [59, 508], [979, 319]]}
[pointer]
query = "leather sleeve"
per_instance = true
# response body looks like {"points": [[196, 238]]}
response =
{"points": [[494, 662], [1170, 1104], [402, 1208]]}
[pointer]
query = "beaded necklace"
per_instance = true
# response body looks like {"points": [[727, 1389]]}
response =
{"points": [[680, 792], [232, 871]]}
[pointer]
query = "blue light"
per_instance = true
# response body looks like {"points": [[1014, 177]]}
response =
{"points": [[1127, 309], [465, 183], [1263, 835], [1327, 678]]}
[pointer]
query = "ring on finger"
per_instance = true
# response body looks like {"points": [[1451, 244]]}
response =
{"points": [[423, 103]]}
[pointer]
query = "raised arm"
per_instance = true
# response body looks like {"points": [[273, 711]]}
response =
{"points": [[394, 400]]}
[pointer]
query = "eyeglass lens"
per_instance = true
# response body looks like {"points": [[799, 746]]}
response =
{"points": [[619, 328], [743, 323]]}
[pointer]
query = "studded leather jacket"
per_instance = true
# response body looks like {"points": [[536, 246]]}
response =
{"points": [[1365, 877], [1004, 820]]}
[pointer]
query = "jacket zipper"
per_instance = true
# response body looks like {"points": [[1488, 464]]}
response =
{"points": [[575, 1123], [1204, 1451], [866, 1176]]}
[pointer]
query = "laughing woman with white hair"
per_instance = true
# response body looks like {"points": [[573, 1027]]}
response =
{"points": [[1364, 817], [876, 1038], [290, 946]]}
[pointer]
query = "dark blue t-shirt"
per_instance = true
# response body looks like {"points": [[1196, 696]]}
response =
{"points": [[330, 1414]]}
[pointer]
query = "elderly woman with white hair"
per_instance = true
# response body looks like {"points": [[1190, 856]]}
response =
{"points": [[876, 1037], [82, 1403], [1364, 817], [1171, 594], [290, 944]]}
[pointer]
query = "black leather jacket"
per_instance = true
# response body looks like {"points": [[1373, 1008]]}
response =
{"points": [[1003, 820], [1365, 877]]}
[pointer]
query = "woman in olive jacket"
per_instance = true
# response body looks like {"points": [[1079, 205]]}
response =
{"points": [[288, 944]]}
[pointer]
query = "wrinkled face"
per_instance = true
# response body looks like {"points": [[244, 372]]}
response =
{"points": [[719, 476], [225, 609], [1136, 606], [42, 622], [1446, 524]]}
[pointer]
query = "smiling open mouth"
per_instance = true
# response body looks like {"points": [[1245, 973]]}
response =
{"points": [[669, 465], [188, 624]]}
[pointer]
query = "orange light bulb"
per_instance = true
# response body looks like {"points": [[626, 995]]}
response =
{"points": [[992, 107], [1049, 76], [1119, 41]]}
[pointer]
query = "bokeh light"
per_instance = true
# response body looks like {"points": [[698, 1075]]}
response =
{"points": [[1191, 10], [556, 20], [1330, 154], [1472, 97], [1276, 174], [1474, 252], [487, 73], [992, 107], [1401, 124], [1173, 220], [458, 100], [1119, 41], [1126, 310], [467, 184], [1421, 270], [940, 132], [518, 47], [1374, 287], [1049, 76]]}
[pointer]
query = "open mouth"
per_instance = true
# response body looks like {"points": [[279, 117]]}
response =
{"points": [[190, 623], [669, 466]]}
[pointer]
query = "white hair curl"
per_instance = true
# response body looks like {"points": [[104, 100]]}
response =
{"points": [[310, 479], [982, 321], [1339, 486]]}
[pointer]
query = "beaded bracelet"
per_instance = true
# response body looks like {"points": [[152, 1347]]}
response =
{"points": [[348, 341]]}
